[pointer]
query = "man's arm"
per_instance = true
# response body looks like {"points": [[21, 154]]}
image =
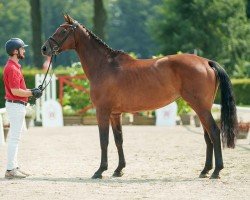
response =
{"points": [[21, 93]]}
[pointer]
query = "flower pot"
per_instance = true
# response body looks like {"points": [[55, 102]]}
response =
{"points": [[28, 121], [89, 120], [73, 120], [6, 131], [243, 130], [142, 120], [197, 121], [125, 120], [185, 119], [178, 122], [242, 135]]}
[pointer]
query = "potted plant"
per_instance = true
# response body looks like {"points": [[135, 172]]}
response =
{"points": [[197, 121], [30, 115], [184, 111], [74, 100], [6, 125], [89, 118], [6, 129], [243, 130], [71, 117], [127, 118], [144, 118]]}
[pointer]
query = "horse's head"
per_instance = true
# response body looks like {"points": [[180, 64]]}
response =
{"points": [[62, 39]]}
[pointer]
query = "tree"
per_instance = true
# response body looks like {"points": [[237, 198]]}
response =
{"points": [[248, 9], [99, 19], [14, 22], [211, 28], [52, 16], [128, 27], [36, 23]]}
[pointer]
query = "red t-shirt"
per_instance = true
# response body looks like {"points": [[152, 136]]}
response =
{"points": [[13, 79]]}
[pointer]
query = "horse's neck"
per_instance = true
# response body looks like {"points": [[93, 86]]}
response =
{"points": [[91, 54]]}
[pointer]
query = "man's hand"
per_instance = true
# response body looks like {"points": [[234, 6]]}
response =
{"points": [[36, 92]]}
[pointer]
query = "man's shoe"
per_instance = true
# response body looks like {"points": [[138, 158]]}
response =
{"points": [[14, 174], [22, 172]]}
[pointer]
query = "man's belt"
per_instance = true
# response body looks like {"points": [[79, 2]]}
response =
{"points": [[17, 101]]}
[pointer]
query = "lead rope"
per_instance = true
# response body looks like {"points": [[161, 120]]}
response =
{"points": [[32, 100], [41, 86]]}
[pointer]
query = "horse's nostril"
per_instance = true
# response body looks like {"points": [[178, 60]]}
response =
{"points": [[44, 48]]}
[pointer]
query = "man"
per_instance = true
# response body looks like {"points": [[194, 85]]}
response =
{"points": [[16, 95]]}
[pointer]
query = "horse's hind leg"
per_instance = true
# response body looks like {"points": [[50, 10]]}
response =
{"points": [[209, 156], [214, 134], [117, 131]]}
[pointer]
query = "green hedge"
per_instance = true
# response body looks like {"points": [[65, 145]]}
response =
{"points": [[241, 86], [241, 89]]}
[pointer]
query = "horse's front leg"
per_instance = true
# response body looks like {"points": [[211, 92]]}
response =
{"points": [[117, 131], [103, 115]]}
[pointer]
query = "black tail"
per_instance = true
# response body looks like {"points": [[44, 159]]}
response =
{"points": [[229, 122]]}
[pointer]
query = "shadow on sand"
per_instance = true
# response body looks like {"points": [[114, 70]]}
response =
{"points": [[107, 179]]}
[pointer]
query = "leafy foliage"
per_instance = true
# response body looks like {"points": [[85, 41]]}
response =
{"points": [[74, 98], [183, 107], [241, 88], [128, 27], [217, 29], [210, 28], [14, 22]]}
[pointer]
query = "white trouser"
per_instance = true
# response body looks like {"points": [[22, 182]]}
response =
{"points": [[16, 113]]}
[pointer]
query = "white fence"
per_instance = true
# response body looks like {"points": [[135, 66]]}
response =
{"points": [[48, 94]]}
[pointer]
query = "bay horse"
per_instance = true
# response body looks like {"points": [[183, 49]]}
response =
{"points": [[120, 83]]}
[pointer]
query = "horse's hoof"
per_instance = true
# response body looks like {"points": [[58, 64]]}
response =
{"points": [[118, 174], [215, 176], [97, 176], [203, 175]]}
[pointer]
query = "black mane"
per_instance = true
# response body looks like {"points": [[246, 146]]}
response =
{"points": [[112, 52]]}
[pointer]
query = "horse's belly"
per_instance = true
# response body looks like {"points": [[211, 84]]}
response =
{"points": [[147, 101]]}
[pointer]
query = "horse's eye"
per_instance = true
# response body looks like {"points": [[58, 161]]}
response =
{"points": [[63, 31]]}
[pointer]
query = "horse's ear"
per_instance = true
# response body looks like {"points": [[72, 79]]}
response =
{"points": [[65, 17], [68, 19]]}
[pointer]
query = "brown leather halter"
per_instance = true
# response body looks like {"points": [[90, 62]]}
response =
{"points": [[55, 49]]}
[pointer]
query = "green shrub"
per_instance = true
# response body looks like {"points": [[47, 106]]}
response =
{"points": [[74, 98], [241, 89], [182, 107]]}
